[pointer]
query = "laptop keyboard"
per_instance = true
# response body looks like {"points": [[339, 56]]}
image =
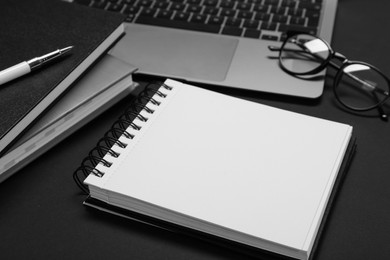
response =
{"points": [[260, 19]]}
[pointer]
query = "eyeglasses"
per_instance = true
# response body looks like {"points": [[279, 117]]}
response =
{"points": [[357, 85]]}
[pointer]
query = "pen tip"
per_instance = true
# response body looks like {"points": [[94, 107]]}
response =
{"points": [[66, 49]]}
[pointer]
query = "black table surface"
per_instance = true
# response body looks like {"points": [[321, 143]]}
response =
{"points": [[41, 211]]}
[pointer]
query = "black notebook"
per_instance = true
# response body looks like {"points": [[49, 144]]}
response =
{"points": [[212, 164], [32, 28]]}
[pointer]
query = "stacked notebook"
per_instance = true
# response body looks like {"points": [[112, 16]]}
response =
{"points": [[221, 168], [32, 28], [102, 86]]}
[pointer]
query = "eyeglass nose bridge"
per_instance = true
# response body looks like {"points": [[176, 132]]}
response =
{"points": [[338, 56]]}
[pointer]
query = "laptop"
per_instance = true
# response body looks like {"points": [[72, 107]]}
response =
{"points": [[219, 42]]}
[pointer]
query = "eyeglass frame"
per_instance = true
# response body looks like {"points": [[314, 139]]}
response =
{"points": [[328, 61]]}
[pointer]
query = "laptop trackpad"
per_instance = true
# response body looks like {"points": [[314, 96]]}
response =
{"points": [[176, 53]]}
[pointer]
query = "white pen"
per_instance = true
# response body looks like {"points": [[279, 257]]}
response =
{"points": [[25, 67]]}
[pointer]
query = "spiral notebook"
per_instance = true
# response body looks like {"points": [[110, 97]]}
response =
{"points": [[227, 168]]}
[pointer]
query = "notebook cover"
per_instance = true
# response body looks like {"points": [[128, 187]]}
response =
{"points": [[31, 28]]}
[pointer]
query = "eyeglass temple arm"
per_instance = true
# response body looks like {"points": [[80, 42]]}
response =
{"points": [[334, 65], [275, 48], [382, 112], [374, 93]]}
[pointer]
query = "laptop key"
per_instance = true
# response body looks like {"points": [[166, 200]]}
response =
{"points": [[243, 6], [314, 18], [194, 9], [215, 20], [234, 22], [177, 7], [262, 16], [115, 7], [131, 10], [268, 26], [245, 14], [288, 3], [310, 6], [297, 21], [164, 14], [278, 10], [161, 5], [228, 12], [234, 31], [261, 8], [210, 10], [199, 18], [181, 16], [295, 12], [178, 24], [145, 3], [297, 28], [148, 12], [277, 18], [252, 33], [271, 2], [253, 24], [269, 37], [227, 4], [210, 2]]}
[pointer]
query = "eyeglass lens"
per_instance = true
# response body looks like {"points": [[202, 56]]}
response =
{"points": [[361, 87], [303, 54]]}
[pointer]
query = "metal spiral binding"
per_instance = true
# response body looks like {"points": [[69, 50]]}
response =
{"points": [[118, 129]]}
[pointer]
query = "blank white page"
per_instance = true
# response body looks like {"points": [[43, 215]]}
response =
{"points": [[252, 168]]}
